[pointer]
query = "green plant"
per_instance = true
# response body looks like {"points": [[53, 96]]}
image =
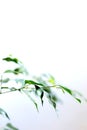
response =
{"points": [[40, 87]]}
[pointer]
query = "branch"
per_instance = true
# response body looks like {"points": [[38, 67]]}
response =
{"points": [[13, 89]]}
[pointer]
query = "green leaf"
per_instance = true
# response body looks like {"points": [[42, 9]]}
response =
{"points": [[70, 92], [20, 70], [51, 80], [5, 80], [41, 96], [66, 89], [27, 93], [31, 82], [47, 89], [54, 104], [9, 59], [9, 125], [78, 100], [20, 81], [37, 87], [76, 93], [16, 71], [2, 112], [52, 101], [9, 71]]}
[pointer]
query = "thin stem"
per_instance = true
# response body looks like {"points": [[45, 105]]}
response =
{"points": [[13, 90], [8, 91], [19, 89]]}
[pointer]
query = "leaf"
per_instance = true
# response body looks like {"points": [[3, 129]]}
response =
{"points": [[70, 92], [2, 112], [80, 95], [66, 89], [5, 80], [41, 96], [54, 104], [9, 59], [47, 89], [31, 82], [9, 71], [4, 87], [52, 101], [20, 81], [78, 100], [9, 125], [16, 71], [37, 87], [52, 80], [21, 70], [27, 93]]}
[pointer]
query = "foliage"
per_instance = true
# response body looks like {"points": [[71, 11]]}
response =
{"points": [[9, 126], [40, 87]]}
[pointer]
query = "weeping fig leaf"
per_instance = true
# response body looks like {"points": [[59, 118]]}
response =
{"points": [[2, 112], [80, 95], [5, 80], [41, 96], [66, 89], [54, 104], [9, 71], [78, 100], [4, 87], [19, 70], [54, 98], [31, 82], [47, 89], [36, 105], [37, 87], [70, 92], [9, 125], [20, 81], [10, 59], [28, 95], [51, 80], [16, 71], [52, 101]]}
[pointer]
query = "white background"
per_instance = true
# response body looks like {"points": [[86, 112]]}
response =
{"points": [[50, 36]]}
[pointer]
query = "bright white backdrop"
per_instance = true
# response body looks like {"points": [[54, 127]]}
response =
{"points": [[50, 37]]}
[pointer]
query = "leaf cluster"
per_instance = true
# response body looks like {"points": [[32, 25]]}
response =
{"points": [[41, 87]]}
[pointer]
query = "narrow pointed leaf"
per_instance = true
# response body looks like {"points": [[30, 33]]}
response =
{"points": [[78, 100], [5, 80], [52, 102], [66, 89], [36, 105], [9, 71], [37, 87], [31, 82], [9, 59], [41, 96], [16, 71], [9, 125], [51, 80], [2, 112]]}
